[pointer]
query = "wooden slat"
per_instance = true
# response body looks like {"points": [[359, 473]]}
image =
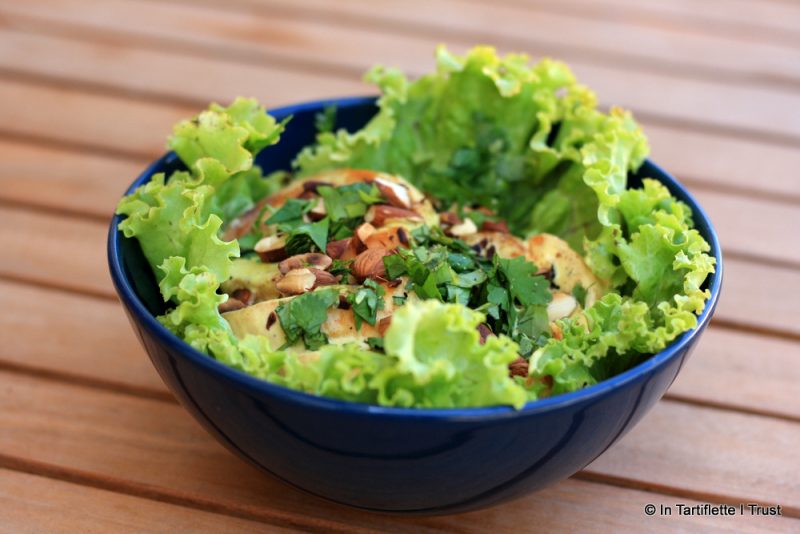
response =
{"points": [[130, 127], [741, 19], [55, 250], [120, 440], [33, 503], [668, 97], [712, 452], [89, 340], [722, 162], [742, 371], [152, 73], [64, 180], [600, 39]]}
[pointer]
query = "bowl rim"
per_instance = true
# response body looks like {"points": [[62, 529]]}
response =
{"points": [[136, 307]]}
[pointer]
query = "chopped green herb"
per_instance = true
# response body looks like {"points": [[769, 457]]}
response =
{"points": [[325, 120], [293, 210], [399, 300], [340, 268], [375, 343], [302, 237], [366, 301], [302, 317], [579, 292]]}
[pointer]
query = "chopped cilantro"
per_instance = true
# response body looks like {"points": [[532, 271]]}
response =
{"points": [[579, 292], [302, 237], [340, 267], [325, 120], [302, 317], [524, 284], [399, 300], [366, 301], [292, 211], [375, 343]]}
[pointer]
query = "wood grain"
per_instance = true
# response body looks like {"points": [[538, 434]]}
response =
{"points": [[172, 77], [138, 444], [286, 40], [32, 503], [722, 162], [599, 39], [744, 372]]}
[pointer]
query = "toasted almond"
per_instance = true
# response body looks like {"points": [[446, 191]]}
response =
{"points": [[388, 237], [323, 278], [271, 248], [465, 228], [383, 325], [318, 212], [484, 331], [363, 232], [449, 218], [518, 367], [561, 306], [296, 282], [336, 249], [378, 214], [230, 305], [309, 259], [243, 294], [396, 194], [369, 264], [495, 226]]}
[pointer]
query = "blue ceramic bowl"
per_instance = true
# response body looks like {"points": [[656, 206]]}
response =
{"points": [[393, 459]]}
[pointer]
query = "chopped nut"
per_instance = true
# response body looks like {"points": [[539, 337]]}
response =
{"points": [[387, 237], [323, 278], [561, 306], [495, 226], [484, 331], [383, 325], [309, 259], [449, 218], [465, 228], [363, 232], [395, 194], [369, 264], [318, 212], [271, 248], [336, 249], [378, 214], [244, 295], [518, 367], [230, 305], [296, 282]]}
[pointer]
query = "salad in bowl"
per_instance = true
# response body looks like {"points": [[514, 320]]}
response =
{"points": [[475, 244]]}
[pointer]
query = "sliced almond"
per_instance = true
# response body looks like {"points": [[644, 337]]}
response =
{"points": [[378, 214], [484, 331], [369, 264], [463, 229], [296, 282], [271, 248], [395, 194], [309, 259], [561, 306]]}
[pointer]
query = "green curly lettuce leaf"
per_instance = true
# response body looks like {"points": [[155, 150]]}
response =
{"points": [[437, 360], [523, 140]]}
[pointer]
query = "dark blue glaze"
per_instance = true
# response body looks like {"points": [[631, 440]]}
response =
{"points": [[392, 459]]}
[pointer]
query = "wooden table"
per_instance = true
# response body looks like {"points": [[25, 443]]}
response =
{"points": [[92, 441]]}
